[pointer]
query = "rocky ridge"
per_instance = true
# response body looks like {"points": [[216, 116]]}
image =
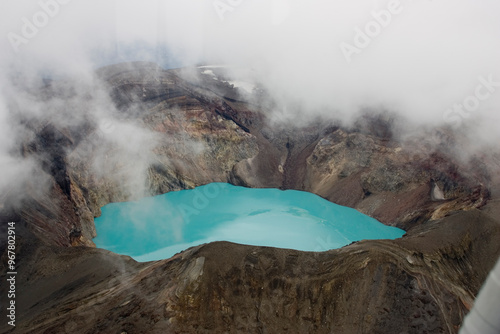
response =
{"points": [[206, 132]]}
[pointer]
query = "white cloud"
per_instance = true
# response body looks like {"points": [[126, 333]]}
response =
{"points": [[427, 59]]}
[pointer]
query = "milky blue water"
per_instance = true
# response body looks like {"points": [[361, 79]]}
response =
{"points": [[158, 227]]}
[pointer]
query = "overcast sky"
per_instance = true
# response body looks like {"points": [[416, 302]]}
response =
{"points": [[419, 58], [423, 57], [432, 61]]}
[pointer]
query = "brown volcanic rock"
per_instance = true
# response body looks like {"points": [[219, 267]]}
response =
{"points": [[388, 181], [424, 282], [194, 145]]}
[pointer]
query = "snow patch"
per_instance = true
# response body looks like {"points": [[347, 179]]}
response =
{"points": [[211, 73], [247, 86], [213, 66]]}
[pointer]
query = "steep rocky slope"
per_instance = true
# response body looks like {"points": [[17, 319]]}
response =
{"points": [[200, 130]]}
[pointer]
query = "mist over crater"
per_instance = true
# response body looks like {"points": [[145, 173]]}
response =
{"points": [[121, 102]]}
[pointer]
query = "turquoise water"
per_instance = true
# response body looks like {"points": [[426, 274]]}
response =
{"points": [[158, 227]]}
